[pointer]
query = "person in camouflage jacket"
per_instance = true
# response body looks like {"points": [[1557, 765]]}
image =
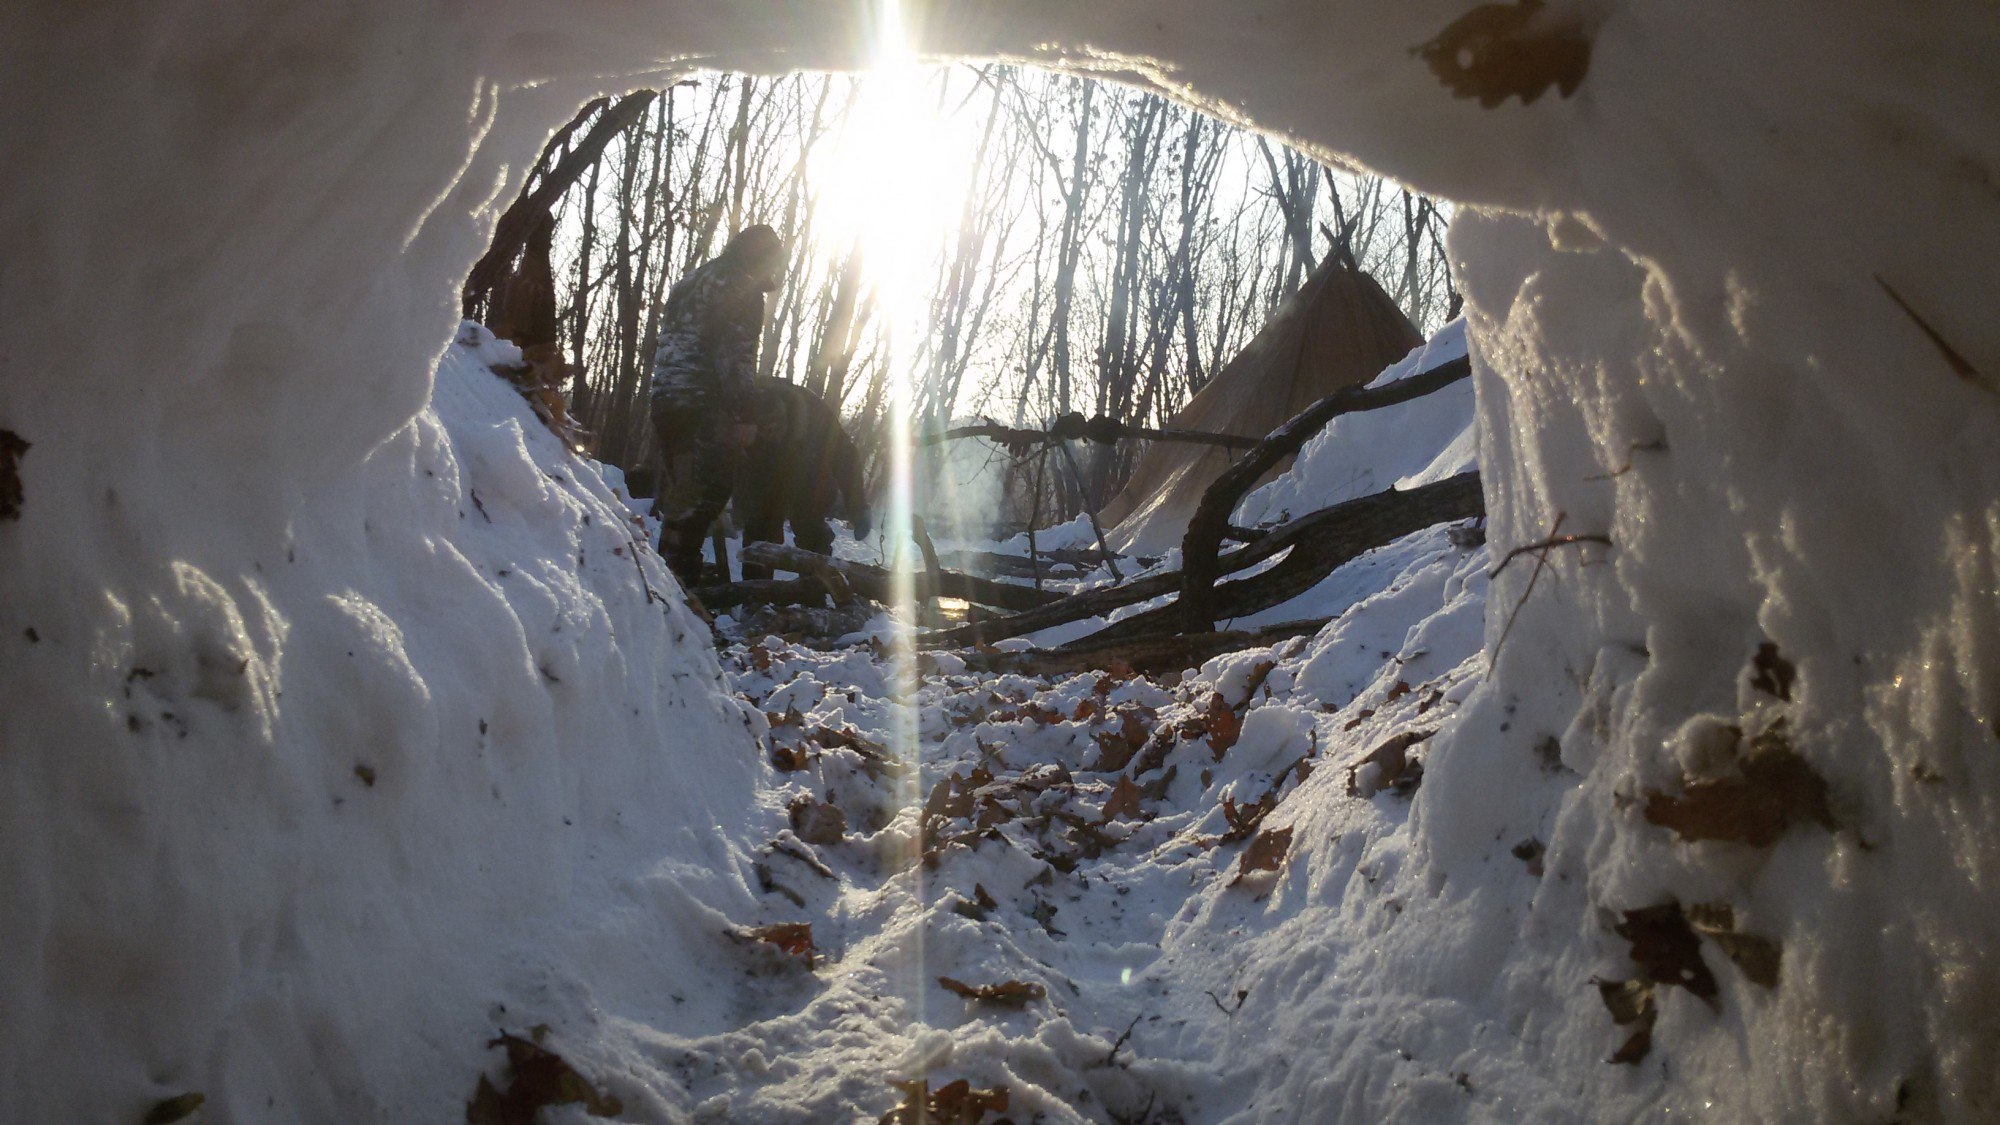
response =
{"points": [[704, 398]]}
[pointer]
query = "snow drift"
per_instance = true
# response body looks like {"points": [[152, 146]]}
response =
{"points": [[300, 836], [1727, 306]]}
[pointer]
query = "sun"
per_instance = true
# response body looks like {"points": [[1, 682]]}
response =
{"points": [[893, 182]]}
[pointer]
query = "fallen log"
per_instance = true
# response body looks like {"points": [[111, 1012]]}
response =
{"points": [[805, 590], [1100, 430], [874, 581], [1319, 542], [1080, 559], [1200, 563], [992, 562], [1150, 655], [1059, 611]]}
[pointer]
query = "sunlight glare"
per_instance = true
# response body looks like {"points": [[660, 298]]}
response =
{"points": [[882, 197]]}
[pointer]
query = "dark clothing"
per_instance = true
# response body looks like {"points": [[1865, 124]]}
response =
{"points": [[701, 473], [802, 459], [704, 371]]}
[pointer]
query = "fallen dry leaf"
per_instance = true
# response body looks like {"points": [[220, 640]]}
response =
{"points": [[876, 761], [1222, 726], [1530, 852], [950, 798], [1008, 993], [1666, 949], [1046, 775], [1265, 853], [1123, 802], [1757, 957], [1117, 748], [166, 1111], [1243, 819], [1498, 51], [955, 1103], [1775, 789], [982, 904], [789, 759], [794, 938], [537, 1077], [1259, 672], [1393, 767], [1042, 716], [816, 822], [1631, 1002]]}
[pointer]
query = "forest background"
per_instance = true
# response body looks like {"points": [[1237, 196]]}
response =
{"points": [[1088, 248]]}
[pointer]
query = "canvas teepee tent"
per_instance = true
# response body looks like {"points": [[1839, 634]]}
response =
{"points": [[1339, 330]]}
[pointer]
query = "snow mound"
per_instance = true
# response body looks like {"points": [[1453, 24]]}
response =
{"points": [[301, 838]]}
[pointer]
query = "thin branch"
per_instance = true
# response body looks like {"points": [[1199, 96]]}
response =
{"points": [[1545, 545]]}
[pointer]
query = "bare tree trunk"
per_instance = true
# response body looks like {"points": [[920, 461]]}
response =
{"points": [[511, 232], [625, 292], [1071, 248], [580, 404]]}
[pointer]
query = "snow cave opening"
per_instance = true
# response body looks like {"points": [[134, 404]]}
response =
{"points": [[335, 742]]}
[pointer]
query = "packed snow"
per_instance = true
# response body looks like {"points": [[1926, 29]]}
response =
{"points": [[1728, 308]]}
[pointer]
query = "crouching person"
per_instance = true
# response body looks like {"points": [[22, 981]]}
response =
{"points": [[704, 400]]}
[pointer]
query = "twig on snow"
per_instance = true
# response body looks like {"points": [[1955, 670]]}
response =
{"points": [[1546, 545], [1960, 366], [1242, 994], [1122, 1040], [1541, 552]]}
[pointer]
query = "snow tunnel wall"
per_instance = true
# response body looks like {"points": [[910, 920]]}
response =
{"points": [[1731, 307]]}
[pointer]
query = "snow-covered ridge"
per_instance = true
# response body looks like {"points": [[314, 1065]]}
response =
{"points": [[302, 837]]}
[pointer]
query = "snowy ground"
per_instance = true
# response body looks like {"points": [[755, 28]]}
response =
{"points": [[1165, 876], [1088, 836], [1179, 886]]}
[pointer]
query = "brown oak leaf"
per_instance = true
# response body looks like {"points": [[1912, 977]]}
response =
{"points": [[1393, 767], [1007, 993], [1498, 51], [1757, 957], [954, 1103], [537, 1077], [1775, 789], [1265, 853], [1631, 1002], [817, 822], [1772, 673], [1222, 725], [1123, 802], [794, 938], [1666, 949]]}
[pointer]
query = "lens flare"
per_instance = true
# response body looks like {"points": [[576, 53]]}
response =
{"points": [[885, 193]]}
